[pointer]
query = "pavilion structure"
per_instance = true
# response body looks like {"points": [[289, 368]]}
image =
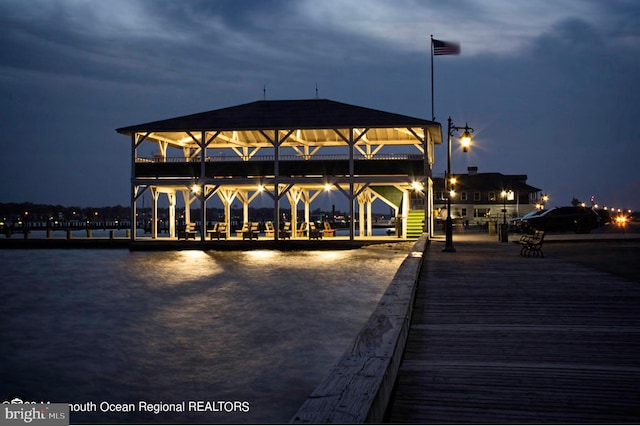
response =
{"points": [[292, 149]]}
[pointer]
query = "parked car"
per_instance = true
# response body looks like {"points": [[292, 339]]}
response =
{"points": [[515, 224], [605, 216], [578, 219]]}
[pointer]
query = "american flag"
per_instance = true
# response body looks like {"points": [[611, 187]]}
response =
{"points": [[445, 48]]}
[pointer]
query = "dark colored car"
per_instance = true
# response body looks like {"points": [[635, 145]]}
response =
{"points": [[515, 224], [605, 216], [578, 219]]}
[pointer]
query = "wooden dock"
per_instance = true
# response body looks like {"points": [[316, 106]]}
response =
{"points": [[497, 338], [171, 244]]}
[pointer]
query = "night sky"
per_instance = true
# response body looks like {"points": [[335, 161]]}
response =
{"points": [[552, 87]]}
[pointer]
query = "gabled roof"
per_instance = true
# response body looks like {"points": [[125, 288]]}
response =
{"points": [[286, 115], [489, 182]]}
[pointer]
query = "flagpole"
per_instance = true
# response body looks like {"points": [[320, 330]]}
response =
{"points": [[433, 115]]}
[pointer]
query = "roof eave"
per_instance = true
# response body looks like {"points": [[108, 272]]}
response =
{"points": [[434, 129]]}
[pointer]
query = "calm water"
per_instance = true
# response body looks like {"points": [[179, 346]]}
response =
{"points": [[259, 327]]}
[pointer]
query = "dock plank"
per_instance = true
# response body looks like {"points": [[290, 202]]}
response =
{"points": [[496, 338]]}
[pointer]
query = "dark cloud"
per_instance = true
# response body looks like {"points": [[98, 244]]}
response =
{"points": [[561, 114], [551, 95]]}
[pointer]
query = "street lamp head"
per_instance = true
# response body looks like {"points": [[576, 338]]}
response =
{"points": [[465, 139]]}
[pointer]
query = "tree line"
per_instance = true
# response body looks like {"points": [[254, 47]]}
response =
{"points": [[28, 211], [46, 212]]}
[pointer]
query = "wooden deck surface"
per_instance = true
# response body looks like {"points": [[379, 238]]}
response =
{"points": [[497, 338]]}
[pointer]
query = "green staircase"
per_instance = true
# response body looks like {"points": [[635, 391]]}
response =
{"points": [[415, 224]]}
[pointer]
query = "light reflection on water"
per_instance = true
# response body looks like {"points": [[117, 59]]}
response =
{"points": [[110, 325]]}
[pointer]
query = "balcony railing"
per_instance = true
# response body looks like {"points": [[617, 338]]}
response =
{"points": [[271, 158], [288, 165]]}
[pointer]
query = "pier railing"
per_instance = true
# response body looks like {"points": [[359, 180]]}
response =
{"points": [[358, 388]]}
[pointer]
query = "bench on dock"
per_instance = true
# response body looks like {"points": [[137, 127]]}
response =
{"points": [[249, 231], [302, 230], [219, 230], [328, 230], [269, 231], [189, 231], [314, 233], [285, 232], [532, 244]]}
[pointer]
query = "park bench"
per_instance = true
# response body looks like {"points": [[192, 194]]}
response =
{"points": [[328, 231], [219, 230], [189, 231], [314, 233], [254, 231], [249, 231], [532, 244], [285, 232]]}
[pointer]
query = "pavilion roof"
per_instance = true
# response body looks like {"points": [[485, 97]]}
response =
{"points": [[287, 115]]}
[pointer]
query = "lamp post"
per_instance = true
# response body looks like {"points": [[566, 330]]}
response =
{"points": [[465, 141], [504, 207], [504, 231]]}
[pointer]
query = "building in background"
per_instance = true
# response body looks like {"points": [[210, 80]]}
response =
{"points": [[481, 197]]}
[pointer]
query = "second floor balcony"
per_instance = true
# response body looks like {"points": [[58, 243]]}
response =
{"points": [[288, 166]]}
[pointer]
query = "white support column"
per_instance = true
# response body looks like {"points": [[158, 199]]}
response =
{"points": [[351, 143], [294, 195], [369, 216], [154, 211], [305, 198], [203, 213], [162, 145], [203, 157], [246, 198], [187, 205], [227, 196], [136, 193], [366, 198], [134, 213], [172, 214], [243, 196], [361, 218], [203, 202], [276, 142], [276, 185], [405, 211], [245, 211], [294, 218], [227, 216]]}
